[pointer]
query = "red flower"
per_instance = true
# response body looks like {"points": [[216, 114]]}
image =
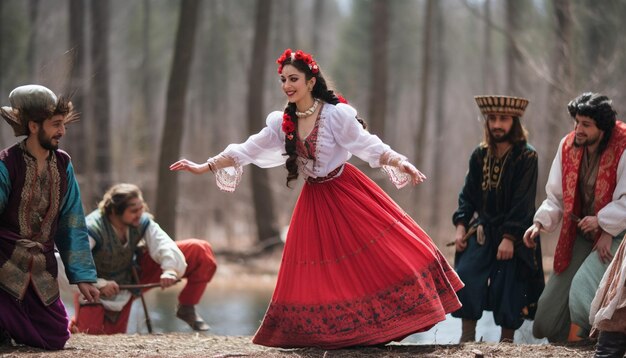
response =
{"points": [[313, 67], [299, 55], [288, 127], [342, 99], [282, 58]]}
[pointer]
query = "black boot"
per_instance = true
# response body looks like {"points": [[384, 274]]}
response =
{"points": [[611, 345]]}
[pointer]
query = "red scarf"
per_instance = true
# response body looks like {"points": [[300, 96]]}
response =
{"points": [[604, 188]]}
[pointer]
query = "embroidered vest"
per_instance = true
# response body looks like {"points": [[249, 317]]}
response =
{"points": [[113, 260], [27, 254], [604, 188]]}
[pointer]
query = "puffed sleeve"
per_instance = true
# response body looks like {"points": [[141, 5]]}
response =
{"points": [[264, 149], [350, 135], [164, 250]]}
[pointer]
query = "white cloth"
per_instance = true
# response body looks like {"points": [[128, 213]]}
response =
{"points": [[612, 284], [340, 136], [611, 218]]}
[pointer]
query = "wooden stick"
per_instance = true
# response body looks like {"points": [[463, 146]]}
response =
{"points": [[141, 285], [143, 301]]}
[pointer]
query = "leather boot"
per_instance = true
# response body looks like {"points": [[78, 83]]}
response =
{"points": [[507, 335], [188, 314], [611, 345], [468, 333]]}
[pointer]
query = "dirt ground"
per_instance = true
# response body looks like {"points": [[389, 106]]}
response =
{"points": [[207, 345]]}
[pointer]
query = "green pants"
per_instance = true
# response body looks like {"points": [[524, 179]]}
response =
{"points": [[568, 295]]}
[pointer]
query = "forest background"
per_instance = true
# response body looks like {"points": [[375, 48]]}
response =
{"points": [[156, 80]]}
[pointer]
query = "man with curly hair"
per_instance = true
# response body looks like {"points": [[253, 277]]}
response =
{"points": [[586, 191]]}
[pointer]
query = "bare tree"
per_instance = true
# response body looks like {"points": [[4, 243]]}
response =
{"points": [[513, 54], [100, 96], [440, 115], [487, 61], [33, 9], [292, 24], [379, 29], [561, 85], [167, 183], [146, 139], [318, 16], [77, 134], [420, 138], [261, 192]]}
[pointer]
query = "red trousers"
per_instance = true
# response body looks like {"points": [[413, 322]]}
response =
{"points": [[201, 266]]}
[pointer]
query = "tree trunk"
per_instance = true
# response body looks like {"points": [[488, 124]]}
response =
{"points": [[292, 29], [149, 133], [513, 55], [33, 8], [440, 115], [561, 88], [77, 134], [261, 192], [100, 98], [487, 62], [420, 138], [318, 16], [171, 139], [379, 29]]}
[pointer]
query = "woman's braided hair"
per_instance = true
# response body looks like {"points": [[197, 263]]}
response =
{"points": [[304, 63]]}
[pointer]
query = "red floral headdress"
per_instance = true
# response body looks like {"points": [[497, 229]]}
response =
{"points": [[299, 55]]}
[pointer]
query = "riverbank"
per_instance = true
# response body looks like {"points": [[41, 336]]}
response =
{"points": [[207, 345]]}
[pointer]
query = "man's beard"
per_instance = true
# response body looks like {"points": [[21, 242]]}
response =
{"points": [[46, 143], [586, 143], [504, 138]]}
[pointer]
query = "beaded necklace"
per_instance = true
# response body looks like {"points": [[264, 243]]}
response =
{"points": [[309, 111]]}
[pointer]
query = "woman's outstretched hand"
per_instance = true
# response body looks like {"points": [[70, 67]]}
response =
{"points": [[416, 176], [190, 166]]}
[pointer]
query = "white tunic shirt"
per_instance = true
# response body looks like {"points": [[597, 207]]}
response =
{"points": [[611, 218], [340, 136]]}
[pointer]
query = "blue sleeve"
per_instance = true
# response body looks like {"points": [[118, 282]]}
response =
{"points": [[71, 236], [5, 186]]}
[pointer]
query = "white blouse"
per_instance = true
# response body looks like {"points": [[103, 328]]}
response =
{"points": [[340, 136], [611, 218]]}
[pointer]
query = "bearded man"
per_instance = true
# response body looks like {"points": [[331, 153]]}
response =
{"points": [[40, 208], [586, 189], [496, 205]]}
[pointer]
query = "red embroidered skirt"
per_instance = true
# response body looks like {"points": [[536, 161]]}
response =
{"points": [[356, 270]]}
